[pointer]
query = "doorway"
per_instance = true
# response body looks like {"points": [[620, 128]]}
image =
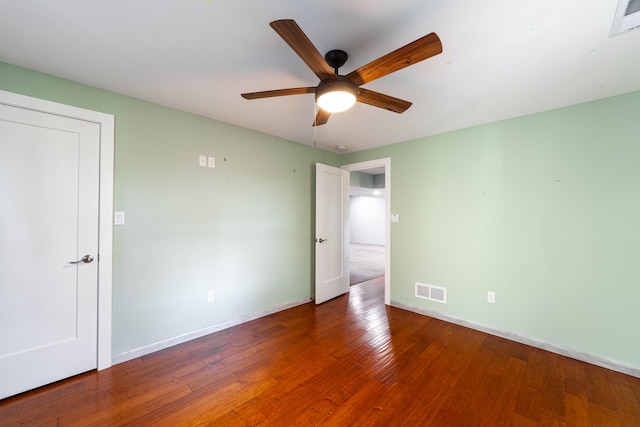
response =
{"points": [[381, 167]]}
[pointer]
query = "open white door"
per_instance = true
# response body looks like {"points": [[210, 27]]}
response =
{"points": [[49, 190], [332, 213]]}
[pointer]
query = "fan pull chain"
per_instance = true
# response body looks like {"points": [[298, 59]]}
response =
{"points": [[315, 125]]}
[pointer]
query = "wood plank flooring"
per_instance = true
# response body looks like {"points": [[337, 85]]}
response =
{"points": [[350, 361]]}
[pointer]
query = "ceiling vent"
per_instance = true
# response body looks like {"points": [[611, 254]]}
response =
{"points": [[627, 17]]}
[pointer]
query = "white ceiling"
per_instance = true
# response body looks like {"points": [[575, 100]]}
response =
{"points": [[501, 59]]}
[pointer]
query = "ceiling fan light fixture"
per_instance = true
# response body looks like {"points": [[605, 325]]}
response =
{"points": [[336, 96]]}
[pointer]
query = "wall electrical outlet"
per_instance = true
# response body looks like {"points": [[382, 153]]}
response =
{"points": [[211, 162], [211, 297], [491, 297]]}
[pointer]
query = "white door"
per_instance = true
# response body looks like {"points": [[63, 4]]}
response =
{"points": [[49, 192], [332, 213]]}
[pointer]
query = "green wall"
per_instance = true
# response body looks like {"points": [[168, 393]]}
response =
{"points": [[360, 179], [544, 210], [243, 229]]}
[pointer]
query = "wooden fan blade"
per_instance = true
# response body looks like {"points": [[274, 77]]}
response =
{"points": [[381, 100], [412, 53], [322, 117], [300, 43], [278, 92]]}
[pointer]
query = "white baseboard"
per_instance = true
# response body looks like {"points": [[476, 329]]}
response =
{"points": [[564, 351], [160, 345]]}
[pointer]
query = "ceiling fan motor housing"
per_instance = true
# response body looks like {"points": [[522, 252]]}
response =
{"points": [[341, 84], [336, 95]]}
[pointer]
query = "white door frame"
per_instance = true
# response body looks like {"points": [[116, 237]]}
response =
{"points": [[105, 227], [386, 163]]}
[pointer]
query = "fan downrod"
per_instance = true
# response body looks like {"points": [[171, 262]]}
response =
{"points": [[336, 59]]}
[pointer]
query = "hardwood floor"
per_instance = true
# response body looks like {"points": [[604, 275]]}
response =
{"points": [[350, 361]]}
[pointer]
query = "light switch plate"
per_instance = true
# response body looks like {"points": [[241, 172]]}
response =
{"points": [[118, 218], [491, 297], [395, 218], [202, 161], [211, 162]]}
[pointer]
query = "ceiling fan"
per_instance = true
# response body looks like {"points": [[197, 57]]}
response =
{"points": [[337, 93]]}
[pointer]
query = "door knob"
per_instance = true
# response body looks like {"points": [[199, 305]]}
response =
{"points": [[321, 240], [86, 259]]}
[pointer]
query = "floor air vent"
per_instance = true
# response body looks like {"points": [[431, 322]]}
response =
{"points": [[430, 292]]}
